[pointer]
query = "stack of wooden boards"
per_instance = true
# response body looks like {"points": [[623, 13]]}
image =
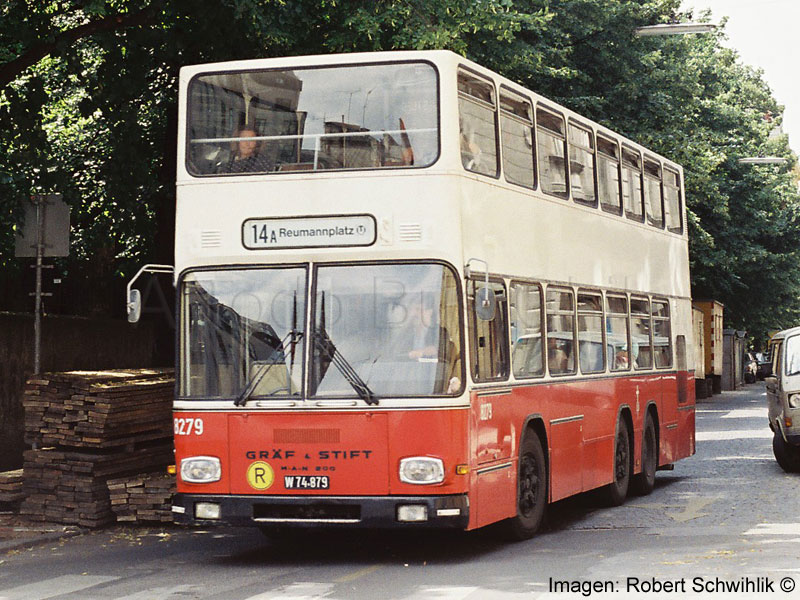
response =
{"points": [[83, 409], [87, 428], [11, 493], [143, 498]]}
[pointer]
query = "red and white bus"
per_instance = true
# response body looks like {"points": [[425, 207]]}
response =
{"points": [[373, 252]]}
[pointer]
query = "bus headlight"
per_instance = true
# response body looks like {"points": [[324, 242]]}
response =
{"points": [[201, 469], [794, 401], [421, 470]]}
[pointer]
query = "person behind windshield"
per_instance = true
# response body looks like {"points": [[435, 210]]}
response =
{"points": [[421, 336], [247, 156]]}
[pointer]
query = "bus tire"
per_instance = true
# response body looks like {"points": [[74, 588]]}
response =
{"points": [[787, 455], [531, 490], [615, 492], [643, 483]]}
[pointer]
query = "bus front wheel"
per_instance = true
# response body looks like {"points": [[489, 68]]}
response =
{"points": [[531, 490]]}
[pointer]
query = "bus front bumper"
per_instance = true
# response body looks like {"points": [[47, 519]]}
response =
{"points": [[378, 512]]}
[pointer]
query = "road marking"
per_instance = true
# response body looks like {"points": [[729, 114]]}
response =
{"points": [[56, 586], [774, 529], [161, 593], [442, 592], [688, 512], [357, 574], [746, 413], [734, 434], [764, 458], [691, 510], [297, 591]]}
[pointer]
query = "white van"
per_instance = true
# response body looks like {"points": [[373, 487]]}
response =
{"points": [[783, 395]]}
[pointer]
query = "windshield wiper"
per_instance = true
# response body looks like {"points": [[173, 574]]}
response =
{"points": [[265, 368], [260, 373], [326, 347]]}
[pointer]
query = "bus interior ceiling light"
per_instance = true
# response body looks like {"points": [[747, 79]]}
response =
{"points": [[674, 29]]}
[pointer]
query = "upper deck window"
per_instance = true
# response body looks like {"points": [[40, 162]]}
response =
{"points": [[477, 117], [552, 139], [516, 127], [313, 119], [632, 184], [672, 201], [653, 205], [608, 175], [581, 164]]}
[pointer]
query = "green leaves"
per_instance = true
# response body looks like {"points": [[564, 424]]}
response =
{"points": [[88, 108]]}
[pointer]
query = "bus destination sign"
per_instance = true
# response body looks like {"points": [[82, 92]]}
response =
{"points": [[309, 232]]}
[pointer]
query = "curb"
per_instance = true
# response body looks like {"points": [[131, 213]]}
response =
{"points": [[37, 539]]}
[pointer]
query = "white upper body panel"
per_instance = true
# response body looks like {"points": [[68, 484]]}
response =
{"points": [[439, 211]]}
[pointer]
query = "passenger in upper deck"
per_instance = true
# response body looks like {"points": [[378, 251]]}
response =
{"points": [[470, 150], [247, 156]]}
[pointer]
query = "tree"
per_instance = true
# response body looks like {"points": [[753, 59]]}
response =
{"points": [[690, 99], [88, 108]]}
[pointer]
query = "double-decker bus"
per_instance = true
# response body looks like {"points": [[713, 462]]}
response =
{"points": [[414, 294]]}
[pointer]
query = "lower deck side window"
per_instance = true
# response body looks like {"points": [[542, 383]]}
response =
{"points": [[488, 340], [526, 330], [560, 331]]}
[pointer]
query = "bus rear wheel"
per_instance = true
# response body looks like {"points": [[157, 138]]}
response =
{"points": [[643, 483], [615, 492], [531, 490]]}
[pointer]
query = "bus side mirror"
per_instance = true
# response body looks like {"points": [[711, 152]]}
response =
{"points": [[133, 300], [485, 304], [134, 306]]}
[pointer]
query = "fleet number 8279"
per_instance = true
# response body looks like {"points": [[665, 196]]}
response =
{"points": [[188, 426]]}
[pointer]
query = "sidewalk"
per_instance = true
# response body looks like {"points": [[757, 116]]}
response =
{"points": [[17, 532]]}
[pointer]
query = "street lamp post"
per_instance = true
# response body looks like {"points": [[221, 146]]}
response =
{"points": [[762, 160], [674, 29]]}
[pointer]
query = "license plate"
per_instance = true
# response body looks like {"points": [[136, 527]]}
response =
{"points": [[306, 482]]}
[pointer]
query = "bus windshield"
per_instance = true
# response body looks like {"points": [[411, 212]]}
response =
{"points": [[313, 119], [379, 331], [396, 327], [243, 327]]}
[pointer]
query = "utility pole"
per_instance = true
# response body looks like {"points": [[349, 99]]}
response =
{"points": [[45, 233], [37, 317]]}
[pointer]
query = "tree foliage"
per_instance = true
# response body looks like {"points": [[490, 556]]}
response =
{"points": [[88, 108]]}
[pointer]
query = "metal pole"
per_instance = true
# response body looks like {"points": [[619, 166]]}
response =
{"points": [[37, 318]]}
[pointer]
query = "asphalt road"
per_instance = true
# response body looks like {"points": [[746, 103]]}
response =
{"points": [[724, 518]]}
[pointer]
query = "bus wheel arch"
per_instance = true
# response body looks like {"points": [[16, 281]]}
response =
{"points": [[643, 482], [532, 483]]}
